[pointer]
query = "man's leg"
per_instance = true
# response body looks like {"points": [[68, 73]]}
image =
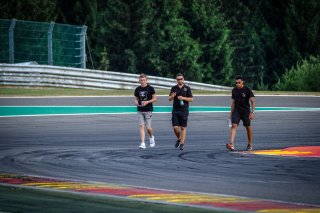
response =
{"points": [[142, 137], [233, 133], [183, 134], [176, 131], [141, 121], [230, 145], [183, 127], [247, 124], [142, 133], [235, 118], [148, 121], [249, 133], [151, 137], [150, 132]]}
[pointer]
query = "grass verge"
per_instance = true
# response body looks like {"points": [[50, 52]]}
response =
{"points": [[6, 91], [16, 199]]}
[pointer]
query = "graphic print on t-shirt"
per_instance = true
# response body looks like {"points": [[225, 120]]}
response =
{"points": [[143, 96]]}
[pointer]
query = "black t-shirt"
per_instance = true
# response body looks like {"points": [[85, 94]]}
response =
{"points": [[242, 97], [185, 91], [144, 94]]}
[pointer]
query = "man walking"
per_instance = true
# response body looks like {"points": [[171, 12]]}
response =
{"points": [[181, 95], [240, 110], [145, 96]]}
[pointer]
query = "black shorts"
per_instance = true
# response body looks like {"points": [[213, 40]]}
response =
{"points": [[244, 116], [180, 118]]}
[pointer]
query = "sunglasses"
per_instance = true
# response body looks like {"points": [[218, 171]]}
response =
{"points": [[179, 79], [238, 82]]}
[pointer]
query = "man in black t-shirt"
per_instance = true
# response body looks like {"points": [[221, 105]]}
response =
{"points": [[240, 110], [181, 95], [144, 97]]}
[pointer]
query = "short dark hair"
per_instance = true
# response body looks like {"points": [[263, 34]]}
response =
{"points": [[238, 77], [179, 74]]}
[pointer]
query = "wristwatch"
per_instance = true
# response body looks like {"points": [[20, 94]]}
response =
{"points": [[252, 112]]}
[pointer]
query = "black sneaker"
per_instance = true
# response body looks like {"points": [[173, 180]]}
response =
{"points": [[249, 148], [181, 146], [177, 144]]}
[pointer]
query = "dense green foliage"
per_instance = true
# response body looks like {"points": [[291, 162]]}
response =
{"points": [[305, 76], [208, 40]]}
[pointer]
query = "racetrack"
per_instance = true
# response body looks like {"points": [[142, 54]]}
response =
{"points": [[104, 148]]}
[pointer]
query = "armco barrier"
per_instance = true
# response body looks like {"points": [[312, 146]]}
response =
{"points": [[53, 76]]}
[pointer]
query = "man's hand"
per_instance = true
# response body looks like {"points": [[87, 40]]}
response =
{"points": [[172, 95], [180, 97], [136, 102], [144, 103], [251, 116]]}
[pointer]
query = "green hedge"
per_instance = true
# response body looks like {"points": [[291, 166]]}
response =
{"points": [[305, 76]]}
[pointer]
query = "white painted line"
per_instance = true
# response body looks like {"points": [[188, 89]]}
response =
{"points": [[43, 115]]}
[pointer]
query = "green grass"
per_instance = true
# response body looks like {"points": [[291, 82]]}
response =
{"points": [[16, 199], [6, 91], [47, 91]]}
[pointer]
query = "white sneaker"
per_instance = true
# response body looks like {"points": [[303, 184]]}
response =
{"points": [[152, 142], [142, 146]]}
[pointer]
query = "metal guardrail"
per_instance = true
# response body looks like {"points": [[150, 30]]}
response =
{"points": [[53, 76]]}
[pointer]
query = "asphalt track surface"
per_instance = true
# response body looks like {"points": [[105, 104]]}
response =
{"points": [[104, 148]]}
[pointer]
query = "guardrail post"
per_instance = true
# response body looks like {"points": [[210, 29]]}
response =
{"points": [[11, 41], [83, 47], [50, 58]]}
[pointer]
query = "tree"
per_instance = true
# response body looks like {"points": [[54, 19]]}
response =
{"points": [[82, 12], [302, 28], [207, 40], [111, 33], [31, 10], [104, 63], [253, 41], [209, 28], [170, 47]]}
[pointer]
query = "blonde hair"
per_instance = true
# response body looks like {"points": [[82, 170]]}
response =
{"points": [[142, 75]]}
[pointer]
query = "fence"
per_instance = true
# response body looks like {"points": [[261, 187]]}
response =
{"points": [[42, 42], [52, 76]]}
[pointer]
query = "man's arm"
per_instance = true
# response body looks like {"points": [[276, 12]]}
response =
{"points": [[232, 107], [189, 99], [252, 104], [153, 99], [172, 95], [252, 108], [136, 101]]}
